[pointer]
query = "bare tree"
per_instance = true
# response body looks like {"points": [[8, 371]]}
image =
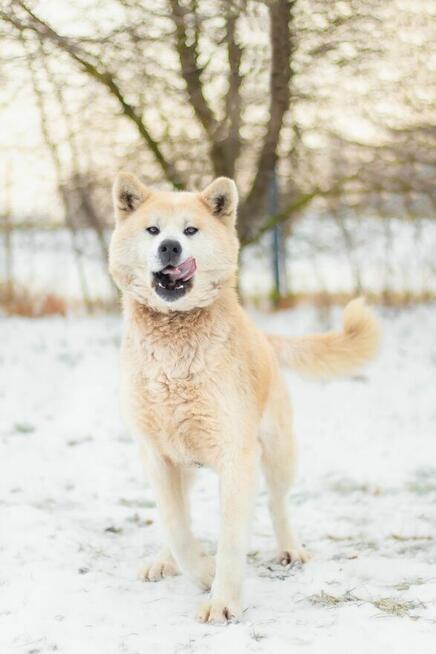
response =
{"points": [[222, 126], [57, 164], [247, 87]]}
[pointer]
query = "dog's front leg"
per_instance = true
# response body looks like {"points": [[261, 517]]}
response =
{"points": [[167, 483], [237, 493]]}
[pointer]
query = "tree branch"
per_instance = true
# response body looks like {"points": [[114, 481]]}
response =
{"points": [[104, 77], [281, 216], [191, 73], [280, 76], [232, 143], [295, 206]]}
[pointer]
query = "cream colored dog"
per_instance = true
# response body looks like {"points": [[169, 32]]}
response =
{"points": [[201, 384]]}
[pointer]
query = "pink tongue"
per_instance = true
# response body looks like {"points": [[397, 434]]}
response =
{"points": [[184, 270]]}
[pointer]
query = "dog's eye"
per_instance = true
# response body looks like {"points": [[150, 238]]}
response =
{"points": [[190, 231], [153, 230]]}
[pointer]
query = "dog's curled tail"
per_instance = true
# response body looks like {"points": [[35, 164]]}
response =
{"points": [[333, 353]]}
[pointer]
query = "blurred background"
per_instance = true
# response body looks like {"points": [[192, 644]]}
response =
{"points": [[323, 112]]}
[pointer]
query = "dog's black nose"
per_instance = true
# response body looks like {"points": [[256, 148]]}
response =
{"points": [[169, 252]]}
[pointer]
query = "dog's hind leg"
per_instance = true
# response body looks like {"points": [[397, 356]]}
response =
{"points": [[279, 460]]}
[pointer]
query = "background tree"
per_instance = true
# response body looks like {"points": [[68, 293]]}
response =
{"points": [[336, 98]]}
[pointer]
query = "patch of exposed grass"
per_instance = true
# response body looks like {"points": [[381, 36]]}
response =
{"points": [[114, 530], [415, 548], [368, 545], [347, 486], [137, 520], [402, 538], [389, 605], [407, 583], [275, 570], [23, 428], [358, 542], [396, 607], [340, 539], [325, 299], [424, 481], [257, 636], [421, 487], [253, 556], [79, 441], [27, 302], [327, 600], [137, 504]]}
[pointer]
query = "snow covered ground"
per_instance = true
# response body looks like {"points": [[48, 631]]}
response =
{"points": [[77, 516]]}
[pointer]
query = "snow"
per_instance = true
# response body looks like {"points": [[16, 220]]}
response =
{"points": [[77, 516]]}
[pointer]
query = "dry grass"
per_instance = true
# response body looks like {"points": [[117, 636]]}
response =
{"points": [[21, 302], [325, 599], [406, 584], [402, 538], [389, 605], [323, 300], [29, 304], [396, 607]]}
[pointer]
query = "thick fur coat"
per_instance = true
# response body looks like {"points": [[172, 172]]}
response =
{"points": [[201, 385]]}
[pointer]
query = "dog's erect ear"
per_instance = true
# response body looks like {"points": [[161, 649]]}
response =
{"points": [[221, 197], [128, 193]]}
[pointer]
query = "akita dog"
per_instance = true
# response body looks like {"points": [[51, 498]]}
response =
{"points": [[201, 385]]}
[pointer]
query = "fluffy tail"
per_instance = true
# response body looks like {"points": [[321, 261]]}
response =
{"points": [[333, 353]]}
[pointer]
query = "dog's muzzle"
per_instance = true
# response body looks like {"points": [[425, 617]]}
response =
{"points": [[173, 282]]}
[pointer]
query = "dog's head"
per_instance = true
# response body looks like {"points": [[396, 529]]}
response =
{"points": [[173, 251]]}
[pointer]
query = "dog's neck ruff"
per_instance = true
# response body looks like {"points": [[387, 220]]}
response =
{"points": [[173, 320], [175, 325]]}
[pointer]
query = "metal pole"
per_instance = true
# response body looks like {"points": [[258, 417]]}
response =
{"points": [[277, 241]]}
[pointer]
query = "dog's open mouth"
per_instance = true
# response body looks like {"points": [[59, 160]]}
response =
{"points": [[172, 282]]}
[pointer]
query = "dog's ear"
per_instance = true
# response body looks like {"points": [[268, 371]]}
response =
{"points": [[128, 193], [221, 198]]}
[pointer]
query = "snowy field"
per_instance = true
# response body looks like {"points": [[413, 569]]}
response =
{"points": [[77, 517]]}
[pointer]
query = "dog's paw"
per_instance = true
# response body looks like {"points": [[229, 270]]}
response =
{"points": [[219, 612], [155, 569], [293, 555], [204, 571]]}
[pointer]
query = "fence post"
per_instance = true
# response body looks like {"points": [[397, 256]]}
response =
{"points": [[278, 244]]}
